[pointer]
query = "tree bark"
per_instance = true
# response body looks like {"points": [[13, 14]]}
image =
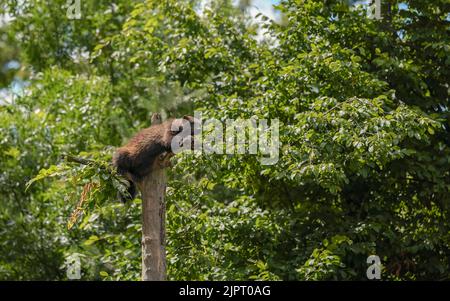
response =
{"points": [[153, 190]]}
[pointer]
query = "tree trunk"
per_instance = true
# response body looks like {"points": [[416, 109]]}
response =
{"points": [[153, 189]]}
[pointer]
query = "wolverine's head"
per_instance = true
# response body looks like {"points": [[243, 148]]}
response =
{"points": [[183, 131]]}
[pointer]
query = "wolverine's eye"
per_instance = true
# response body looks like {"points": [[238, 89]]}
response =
{"points": [[176, 130], [176, 126]]}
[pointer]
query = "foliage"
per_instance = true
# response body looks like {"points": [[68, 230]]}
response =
{"points": [[364, 129]]}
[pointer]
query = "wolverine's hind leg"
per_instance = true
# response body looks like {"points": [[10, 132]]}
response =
{"points": [[122, 162], [130, 194]]}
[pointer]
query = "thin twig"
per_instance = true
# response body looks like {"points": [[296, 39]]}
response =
{"points": [[79, 160]]}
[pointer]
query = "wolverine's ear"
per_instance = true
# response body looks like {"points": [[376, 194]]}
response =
{"points": [[156, 118], [195, 124]]}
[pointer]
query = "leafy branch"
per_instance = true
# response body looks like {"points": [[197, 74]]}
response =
{"points": [[93, 173]]}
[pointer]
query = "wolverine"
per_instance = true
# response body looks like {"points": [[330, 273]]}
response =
{"points": [[136, 158]]}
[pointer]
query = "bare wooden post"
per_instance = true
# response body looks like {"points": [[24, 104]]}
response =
{"points": [[153, 190]]}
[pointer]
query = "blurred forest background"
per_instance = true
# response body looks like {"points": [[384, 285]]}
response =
{"points": [[363, 105]]}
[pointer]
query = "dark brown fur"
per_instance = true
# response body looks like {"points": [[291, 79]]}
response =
{"points": [[135, 159]]}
